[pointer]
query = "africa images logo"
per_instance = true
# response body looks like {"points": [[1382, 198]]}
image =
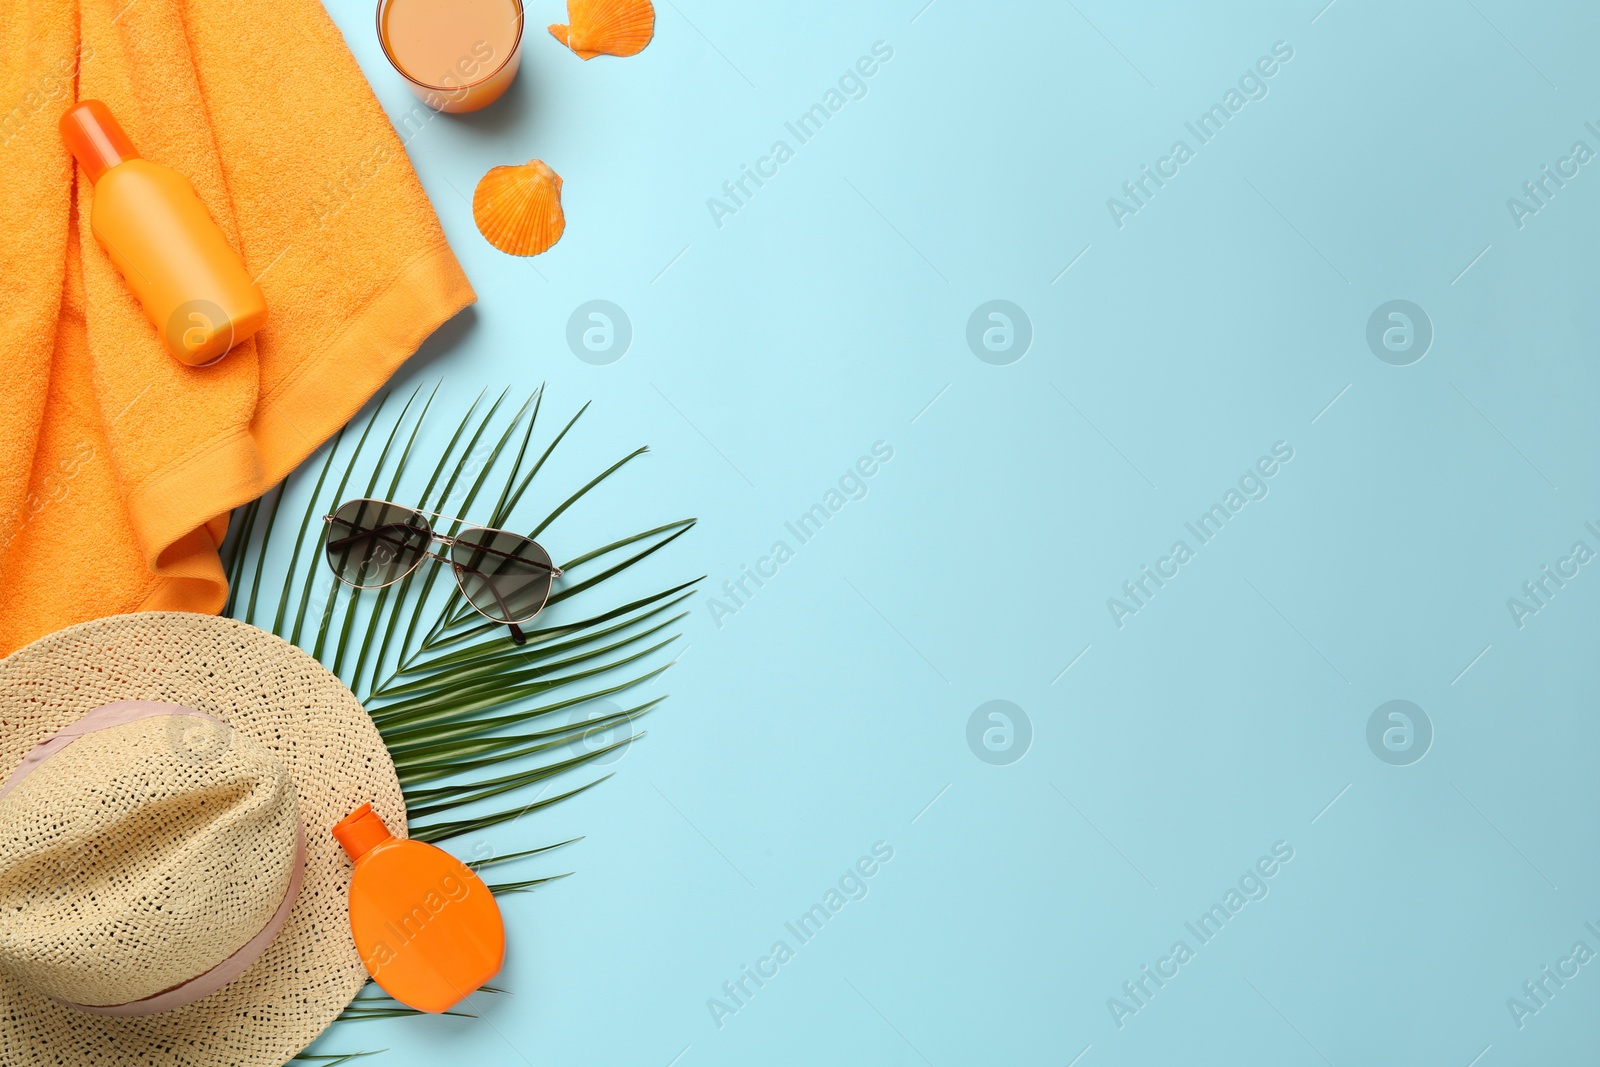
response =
{"points": [[1538, 992], [852, 485], [1251, 887], [1252, 85], [851, 887], [1252, 486], [1538, 591], [737, 192]]}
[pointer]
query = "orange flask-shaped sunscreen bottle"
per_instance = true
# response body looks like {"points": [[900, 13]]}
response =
{"points": [[193, 285], [427, 928]]}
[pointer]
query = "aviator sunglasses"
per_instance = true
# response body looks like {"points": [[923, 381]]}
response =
{"points": [[504, 576]]}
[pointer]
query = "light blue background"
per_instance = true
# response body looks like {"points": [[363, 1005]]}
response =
{"points": [[830, 712]]}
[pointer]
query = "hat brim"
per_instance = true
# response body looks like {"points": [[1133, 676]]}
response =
{"points": [[277, 695]]}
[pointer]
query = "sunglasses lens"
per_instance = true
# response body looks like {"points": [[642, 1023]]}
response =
{"points": [[371, 543], [504, 575]]}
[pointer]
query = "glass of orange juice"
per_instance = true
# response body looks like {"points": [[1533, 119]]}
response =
{"points": [[456, 55]]}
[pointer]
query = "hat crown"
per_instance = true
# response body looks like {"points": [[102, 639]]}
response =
{"points": [[141, 854]]}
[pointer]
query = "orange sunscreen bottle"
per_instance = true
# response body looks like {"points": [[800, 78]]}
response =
{"points": [[193, 285], [427, 928]]}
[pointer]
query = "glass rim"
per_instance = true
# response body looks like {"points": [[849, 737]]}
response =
{"points": [[516, 44]]}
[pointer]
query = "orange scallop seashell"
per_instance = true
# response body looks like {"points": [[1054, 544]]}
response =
{"points": [[518, 209], [607, 27]]}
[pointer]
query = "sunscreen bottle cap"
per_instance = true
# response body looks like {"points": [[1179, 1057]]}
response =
{"points": [[361, 831], [94, 138]]}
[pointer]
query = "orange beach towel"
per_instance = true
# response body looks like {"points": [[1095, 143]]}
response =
{"points": [[119, 465]]}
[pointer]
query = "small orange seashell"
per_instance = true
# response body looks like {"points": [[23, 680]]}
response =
{"points": [[607, 27], [518, 209]]}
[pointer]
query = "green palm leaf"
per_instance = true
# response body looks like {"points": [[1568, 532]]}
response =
{"points": [[471, 719]]}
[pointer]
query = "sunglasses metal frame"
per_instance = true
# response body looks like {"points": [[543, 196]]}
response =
{"points": [[456, 569]]}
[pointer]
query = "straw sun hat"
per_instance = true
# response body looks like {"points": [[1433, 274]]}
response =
{"points": [[170, 893]]}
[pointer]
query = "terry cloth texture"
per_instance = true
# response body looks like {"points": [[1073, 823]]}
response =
{"points": [[118, 464]]}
